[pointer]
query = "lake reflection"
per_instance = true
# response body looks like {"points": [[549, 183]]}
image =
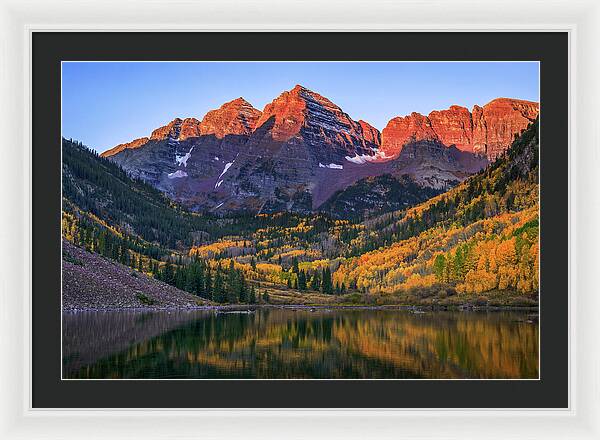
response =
{"points": [[278, 343]]}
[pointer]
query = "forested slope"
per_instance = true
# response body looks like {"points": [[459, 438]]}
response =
{"points": [[97, 186], [480, 236]]}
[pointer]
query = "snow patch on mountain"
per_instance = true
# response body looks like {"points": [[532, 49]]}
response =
{"points": [[360, 159], [177, 174], [333, 166], [364, 158], [182, 160], [227, 166]]}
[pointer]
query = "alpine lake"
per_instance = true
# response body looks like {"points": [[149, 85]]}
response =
{"points": [[300, 343]]}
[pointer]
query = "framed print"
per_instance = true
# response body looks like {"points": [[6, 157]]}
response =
{"points": [[297, 246], [289, 225]]}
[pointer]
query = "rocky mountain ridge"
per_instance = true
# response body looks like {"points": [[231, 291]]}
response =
{"points": [[302, 148], [487, 130]]}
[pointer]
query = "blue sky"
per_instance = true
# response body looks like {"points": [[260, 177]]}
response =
{"points": [[104, 104]]}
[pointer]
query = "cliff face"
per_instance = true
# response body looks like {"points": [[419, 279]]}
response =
{"points": [[453, 126], [496, 124], [487, 130], [401, 130], [370, 133]]}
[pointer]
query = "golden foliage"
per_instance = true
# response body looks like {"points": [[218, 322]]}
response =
{"points": [[497, 253]]}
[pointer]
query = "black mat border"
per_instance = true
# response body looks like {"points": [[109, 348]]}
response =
{"points": [[550, 48]]}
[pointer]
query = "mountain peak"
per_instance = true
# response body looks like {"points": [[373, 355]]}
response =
{"points": [[236, 117], [307, 94], [171, 130], [300, 107], [299, 88], [237, 102], [178, 129]]}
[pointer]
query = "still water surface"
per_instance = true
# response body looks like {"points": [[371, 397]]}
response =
{"points": [[283, 343]]}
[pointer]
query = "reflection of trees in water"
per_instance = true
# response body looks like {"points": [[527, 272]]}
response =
{"points": [[335, 344], [89, 336]]}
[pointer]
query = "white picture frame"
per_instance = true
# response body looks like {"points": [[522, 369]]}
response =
{"points": [[18, 19]]}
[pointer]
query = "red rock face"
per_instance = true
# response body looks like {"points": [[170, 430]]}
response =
{"points": [[498, 123], [177, 129], [190, 127], [171, 130], [305, 115], [401, 130], [137, 143], [488, 130], [286, 113], [453, 126], [479, 130], [370, 133], [234, 117]]}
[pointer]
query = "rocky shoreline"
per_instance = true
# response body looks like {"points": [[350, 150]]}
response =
{"points": [[224, 308], [92, 282]]}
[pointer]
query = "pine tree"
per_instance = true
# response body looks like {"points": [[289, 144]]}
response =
{"points": [[168, 274], [133, 261], [218, 289], [199, 282], [326, 282], [242, 293], [190, 274], [439, 266], [301, 280], [180, 277], [315, 281], [208, 286]]}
